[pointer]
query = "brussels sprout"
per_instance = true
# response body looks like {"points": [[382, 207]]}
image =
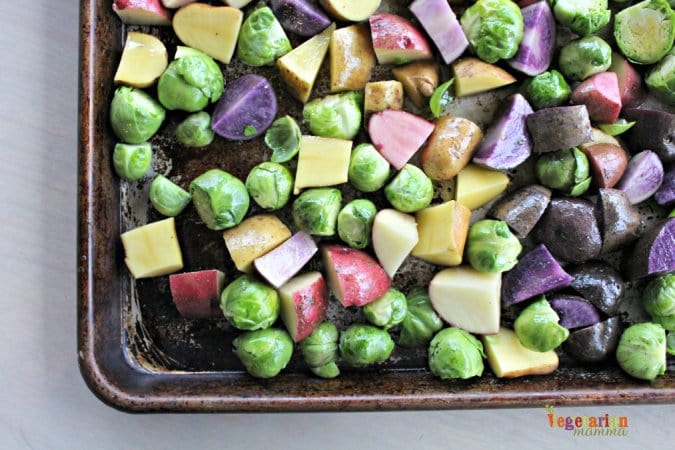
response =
{"points": [[454, 353], [670, 343], [547, 90], [361, 345], [320, 350], [221, 199], [190, 82], [584, 17], [261, 38], [645, 31], [585, 57], [658, 298], [132, 162], [420, 322], [642, 351], [491, 247], [661, 79], [316, 211], [283, 138], [566, 170], [270, 185], [368, 170], [337, 116], [388, 310], [494, 29], [537, 327], [135, 116], [264, 353], [410, 190], [167, 197], [355, 222], [195, 130], [249, 304]]}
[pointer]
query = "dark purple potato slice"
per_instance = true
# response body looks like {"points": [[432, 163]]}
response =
{"points": [[654, 253], [246, 109], [665, 196], [559, 128], [522, 209], [595, 343], [507, 143], [654, 130], [574, 312], [300, 16], [536, 273], [620, 220], [569, 229], [600, 284], [643, 177], [536, 50]]}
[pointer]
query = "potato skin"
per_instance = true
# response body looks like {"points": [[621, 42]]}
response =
{"points": [[450, 147]]}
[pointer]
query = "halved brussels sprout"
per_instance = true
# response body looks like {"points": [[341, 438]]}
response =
{"points": [[537, 327], [565, 170], [249, 304], [264, 353], [454, 353], [388, 310], [547, 90], [316, 211], [658, 299], [645, 31], [491, 247], [642, 351], [261, 38], [585, 57], [355, 222], [221, 199], [368, 170], [583, 17], [135, 116], [167, 197], [420, 322], [337, 116], [661, 79], [320, 350], [410, 190], [361, 345], [494, 29], [132, 162], [283, 138], [195, 130], [270, 185]]}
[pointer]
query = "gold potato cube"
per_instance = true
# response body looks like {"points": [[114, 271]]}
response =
{"points": [[322, 162], [442, 233], [253, 238], [351, 58], [381, 95], [509, 359], [152, 250], [476, 185]]}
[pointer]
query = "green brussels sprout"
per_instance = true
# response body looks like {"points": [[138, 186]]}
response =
{"points": [[135, 116], [368, 170], [584, 57], [641, 352], [388, 310], [355, 222], [491, 247], [410, 190], [547, 90], [454, 353], [337, 116], [565, 170], [537, 327], [658, 298], [190, 82], [316, 211], [583, 17], [320, 350], [670, 343], [661, 79], [645, 31], [195, 130], [132, 162], [167, 197], [264, 353], [420, 322], [361, 345], [221, 199], [261, 38], [494, 29], [270, 185], [283, 138], [249, 304]]}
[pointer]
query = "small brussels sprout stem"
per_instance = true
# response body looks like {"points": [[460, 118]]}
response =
{"points": [[565, 170], [368, 170], [361, 345], [167, 197], [132, 162], [283, 138], [320, 350], [261, 38], [641, 352], [537, 327], [135, 116], [585, 57], [658, 299], [547, 90], [337, 116], [316, 211], [410, 190], [491, 247], [264, 353], [420, 322], [441, 98], [355, 222], [388, 310], [221, 199], [195, 130], [616, 128], [454, 353], [270, 185], [249, 304]]}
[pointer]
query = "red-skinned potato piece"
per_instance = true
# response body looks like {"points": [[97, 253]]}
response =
{"points": [[282, 263], [355, 277], [631, 90], [304, 300], [600, 94], [396, 40], [397, 135], [197, 294], [142, 12], [608, 163]]}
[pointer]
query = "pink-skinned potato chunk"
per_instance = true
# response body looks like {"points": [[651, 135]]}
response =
{"points": [[304, 300], [142, 12], [197, 294], [631, 88], [600, 93], [397, 135], [282, 263], [355, 277]]}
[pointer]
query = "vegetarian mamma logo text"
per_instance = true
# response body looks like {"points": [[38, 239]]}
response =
{"points": [[604, 425]]}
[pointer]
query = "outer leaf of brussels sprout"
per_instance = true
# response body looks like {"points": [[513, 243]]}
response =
{"points": [[220, 198], [135, 116], [283, 138], [270, 185], [547, 90], [410, 190], [368, 169], [316, 211], [261, 38], [249, 304], [167, 197], [132, 162], [420, 322], [494, 28], [454, 353], [355, 222], [642, 351], [491, 247], [195, 130], [361, 345], [388, 310], [337, 116], [537, 327], [264, 353]]}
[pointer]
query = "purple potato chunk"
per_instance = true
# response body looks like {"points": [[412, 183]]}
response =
{"points": [[595, 343], [600, 284], [440, 22], [536, 49], [574, 312], [654, 130], [559, 128], [665, 196], [620, 220], [300, 16], [654, 253], [522, 209], [643, 177]]}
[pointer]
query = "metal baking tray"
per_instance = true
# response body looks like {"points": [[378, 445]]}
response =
{"points": [[137, 354]]}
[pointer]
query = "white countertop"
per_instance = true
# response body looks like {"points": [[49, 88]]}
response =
{"points": [[44, 403]]}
